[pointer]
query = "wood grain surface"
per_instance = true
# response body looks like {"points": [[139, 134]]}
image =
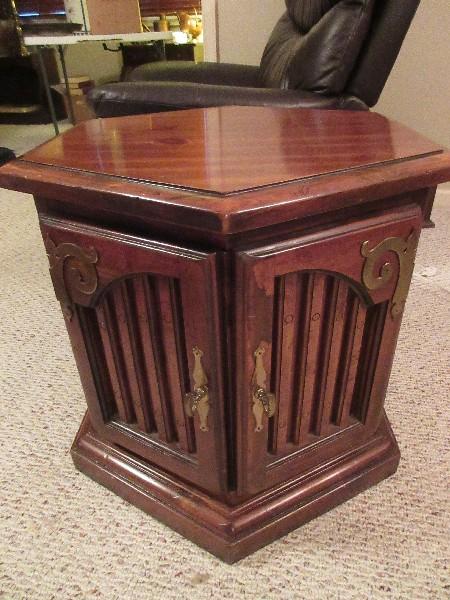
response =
{"points": [[230, 149]]}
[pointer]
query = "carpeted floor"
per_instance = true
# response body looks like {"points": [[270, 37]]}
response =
{"points": [[22, 138], [62, 536]]}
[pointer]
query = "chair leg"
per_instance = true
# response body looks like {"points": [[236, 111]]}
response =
{"points": [[427, 207]]}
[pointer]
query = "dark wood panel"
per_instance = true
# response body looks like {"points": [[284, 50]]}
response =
{"points": [[350, 356], [41, 7], [341, 330], [113, 353], [148, 7], [156, 7], [146, 317]]}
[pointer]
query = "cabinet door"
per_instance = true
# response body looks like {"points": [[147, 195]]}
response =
{"points": [[317, 322], [142, 321]]}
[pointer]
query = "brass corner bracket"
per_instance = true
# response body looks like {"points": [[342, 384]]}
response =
{"points": [[405, 251]]}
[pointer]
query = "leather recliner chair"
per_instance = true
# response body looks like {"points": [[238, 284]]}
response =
{"points": [[321, 54], [5, 155]]}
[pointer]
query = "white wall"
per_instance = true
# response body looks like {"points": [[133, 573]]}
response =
{"points": [[418, 90], [210, 36], [244, 27], [90, 59]]}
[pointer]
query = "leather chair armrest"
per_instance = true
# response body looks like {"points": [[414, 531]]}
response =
{"points": [[131, 98], [212, 73]]}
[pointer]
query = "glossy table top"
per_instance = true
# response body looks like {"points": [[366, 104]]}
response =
{"points": [[232, 149]]}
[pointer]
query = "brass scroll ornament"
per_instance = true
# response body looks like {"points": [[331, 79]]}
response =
{"points": [[405, 251], [73, 272], [198, 400], [263, 401]]}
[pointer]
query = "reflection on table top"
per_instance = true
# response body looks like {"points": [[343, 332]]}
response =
{"points": [[231, 149]]}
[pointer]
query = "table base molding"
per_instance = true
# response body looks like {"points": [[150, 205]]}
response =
{"points": [[234, 532]]}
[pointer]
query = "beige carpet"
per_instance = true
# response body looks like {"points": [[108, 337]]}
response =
{"points": [[22, 138], [63, 536]]}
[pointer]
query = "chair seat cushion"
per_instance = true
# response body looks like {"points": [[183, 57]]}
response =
{"points": [[315, 45]]}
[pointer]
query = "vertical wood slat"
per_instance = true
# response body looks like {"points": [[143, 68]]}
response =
{"points": [[103, 408], [144, 412], [172, 371], [371, 341], [143, 308], [113, 356], [130, 351], [276, 361], [324, 353], [255, 332], [287, 324], [335, 359], [352, 355], [348, 353], [181, 357], [313, 350], [163, 407], [306, 284]]}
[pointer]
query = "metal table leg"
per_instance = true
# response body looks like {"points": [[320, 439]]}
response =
{"points": [[48, 91], [66, 81]]}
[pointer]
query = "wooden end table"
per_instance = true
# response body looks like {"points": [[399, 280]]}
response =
{"points": [[233, 281]]}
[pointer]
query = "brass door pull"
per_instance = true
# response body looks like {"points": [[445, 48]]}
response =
{"points": [[197, 401], [264, 402]]}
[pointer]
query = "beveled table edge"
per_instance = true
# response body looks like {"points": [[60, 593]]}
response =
{"points": [[233, 213]]}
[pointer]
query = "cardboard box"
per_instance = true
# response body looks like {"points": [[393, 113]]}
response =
{"points": [[114, 16]]}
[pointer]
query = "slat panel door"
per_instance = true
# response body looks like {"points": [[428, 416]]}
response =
{"points": [[326, 341], [142, 318]]}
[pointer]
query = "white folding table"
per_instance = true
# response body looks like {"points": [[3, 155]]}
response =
{"points": [[38, 42]]}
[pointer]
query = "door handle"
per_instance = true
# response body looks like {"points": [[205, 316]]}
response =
{"points": [[264, 402], [197, 401]]}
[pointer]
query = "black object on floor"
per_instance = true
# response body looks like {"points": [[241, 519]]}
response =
{"points": [[5, 155]]}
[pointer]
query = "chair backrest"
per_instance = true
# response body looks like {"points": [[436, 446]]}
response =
{"points": [[390, 23], [337, 46]]}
